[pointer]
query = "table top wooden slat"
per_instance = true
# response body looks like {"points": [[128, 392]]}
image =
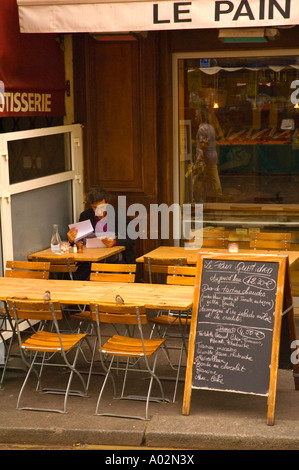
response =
{"points": [[92, 255], [169, 252], [153, 296]]}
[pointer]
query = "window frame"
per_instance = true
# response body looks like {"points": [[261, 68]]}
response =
{"points": [[75, 175], [238, 53]]}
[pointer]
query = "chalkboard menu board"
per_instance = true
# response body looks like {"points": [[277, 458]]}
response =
{"points": [[236, 325]]}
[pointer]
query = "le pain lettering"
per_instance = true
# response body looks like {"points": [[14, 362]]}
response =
{"points": [[181, 12]]}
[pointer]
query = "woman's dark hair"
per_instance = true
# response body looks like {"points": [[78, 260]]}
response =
{"points": [[97, 195]]}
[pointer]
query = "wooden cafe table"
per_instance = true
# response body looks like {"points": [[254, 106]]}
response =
{"points": [[93, 255], [191, 254], [153, 296]]}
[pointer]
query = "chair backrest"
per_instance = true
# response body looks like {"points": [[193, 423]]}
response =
{"points": [[271, 240], [210, 238], [215, 238], [33, 309], [27, 269], [106, 272], [181, 275], [160, 265], [63, 265], [125, 314], [26, 310]]}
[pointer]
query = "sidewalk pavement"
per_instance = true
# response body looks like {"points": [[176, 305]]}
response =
{"points": [[217, 420]]}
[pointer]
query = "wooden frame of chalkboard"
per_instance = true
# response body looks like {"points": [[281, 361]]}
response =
{"points": [[236, 327]]}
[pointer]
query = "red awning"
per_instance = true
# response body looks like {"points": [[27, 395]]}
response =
{"points": [[31, 69]]}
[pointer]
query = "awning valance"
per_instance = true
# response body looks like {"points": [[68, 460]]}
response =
{"points": [[32, 81], [97, 16]]}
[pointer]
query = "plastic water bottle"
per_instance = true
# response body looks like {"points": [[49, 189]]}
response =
{"points": [[55, 239]]}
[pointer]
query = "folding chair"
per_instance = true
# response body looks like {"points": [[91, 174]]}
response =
{"points": [[160, 266], [106, 272], [181, 275], [212, 238], [270, 241], [27, 269], [68, 268], [133, 349], [17, 269], [41, 349], [103, 272], [165, 323], [65, 266]]}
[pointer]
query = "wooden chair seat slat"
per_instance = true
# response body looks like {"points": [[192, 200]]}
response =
{"points": [[47, 341], [120, 345]]}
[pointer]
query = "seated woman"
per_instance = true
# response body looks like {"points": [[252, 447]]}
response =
{"points": [[97, 214]]}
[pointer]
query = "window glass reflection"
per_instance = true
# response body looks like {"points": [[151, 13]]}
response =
{"points": [[238, 130], [38, 157]]}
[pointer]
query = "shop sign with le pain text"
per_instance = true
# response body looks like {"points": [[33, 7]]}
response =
{"points": [[142, 15]]}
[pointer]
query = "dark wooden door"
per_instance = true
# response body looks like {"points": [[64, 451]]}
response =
{"points": [[115, 99]]}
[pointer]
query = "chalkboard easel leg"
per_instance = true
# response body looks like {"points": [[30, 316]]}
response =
{"points": [[291, 323], [270, 421], [296, 380], [271, 405], [276, 343]]}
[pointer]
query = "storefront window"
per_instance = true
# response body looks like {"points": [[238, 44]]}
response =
{"points": [[238, 130]]}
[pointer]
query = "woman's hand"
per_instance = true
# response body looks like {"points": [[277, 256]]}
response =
{"points": [[71, 235], [108, 242]]}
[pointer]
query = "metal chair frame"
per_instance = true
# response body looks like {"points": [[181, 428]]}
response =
{"points": [[124, 347], [6, 326], [177, 275], [39, 349], [18, 269], [63, 265], [160, 266], [105, 272]]}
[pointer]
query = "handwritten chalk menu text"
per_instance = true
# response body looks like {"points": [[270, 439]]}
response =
{"points": [[235, 323]]}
